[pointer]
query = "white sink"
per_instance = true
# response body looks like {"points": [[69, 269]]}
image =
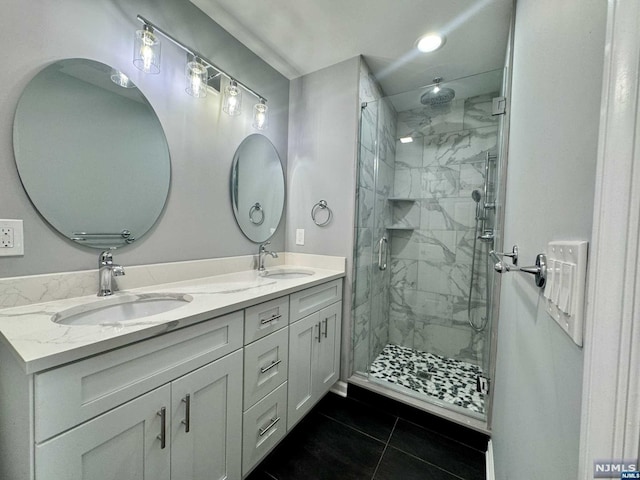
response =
{"points": [[121, 308], [287, 273]]}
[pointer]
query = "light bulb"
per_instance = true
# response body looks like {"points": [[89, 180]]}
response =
{"points": [[146, 51], [436, 89], [260, 115], [196, 74], [232, 99]]}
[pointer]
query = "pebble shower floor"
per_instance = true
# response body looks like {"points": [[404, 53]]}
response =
{"points": [[449, 380]]}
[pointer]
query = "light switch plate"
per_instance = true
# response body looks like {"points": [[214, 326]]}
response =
{"points": [[11, 238], [566, 285], [300, 236]]}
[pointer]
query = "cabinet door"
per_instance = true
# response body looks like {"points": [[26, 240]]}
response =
{"points": [[211, 449], [328, 356], [121, 444], [303, 337]]}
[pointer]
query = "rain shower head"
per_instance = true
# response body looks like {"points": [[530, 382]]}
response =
{"points": [[437, 96]]}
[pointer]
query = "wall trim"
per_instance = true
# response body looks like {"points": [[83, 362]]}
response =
{"points": [[610, 426], [340, 388], [491, 472]]}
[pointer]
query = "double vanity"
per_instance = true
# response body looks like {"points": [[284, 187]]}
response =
{"points": [[199, 378]]}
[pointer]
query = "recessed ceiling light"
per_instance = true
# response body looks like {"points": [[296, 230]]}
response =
{"points": [[430, 42], [406, 140]]}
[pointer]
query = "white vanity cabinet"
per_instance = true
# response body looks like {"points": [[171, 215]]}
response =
{"points": [[204, 402], [314, 347], [187, 430]]}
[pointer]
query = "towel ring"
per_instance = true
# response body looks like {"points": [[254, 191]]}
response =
{"points": [[322, 205], [256, 214]]}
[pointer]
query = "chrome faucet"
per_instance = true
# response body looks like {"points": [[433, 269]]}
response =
{"points": [[106, 271], [262, 252]]}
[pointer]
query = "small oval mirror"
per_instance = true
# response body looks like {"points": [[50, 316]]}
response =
{"points": [[257, 188], [91, 153]]}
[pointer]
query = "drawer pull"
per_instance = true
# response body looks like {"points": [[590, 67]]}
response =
{"points": [[273, 318], [264, 430], [187, 413], [269, 367], [163, 427], [326, 326]]}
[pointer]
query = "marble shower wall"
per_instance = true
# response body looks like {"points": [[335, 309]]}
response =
{"points": [[371, 297], [431, 264]]}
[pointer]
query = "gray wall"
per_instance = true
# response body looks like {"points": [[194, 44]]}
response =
{"points": [[197, 221], [557, 72], [323, 129]]}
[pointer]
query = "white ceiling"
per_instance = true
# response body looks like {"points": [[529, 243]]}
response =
{"points": [[297, 37]]}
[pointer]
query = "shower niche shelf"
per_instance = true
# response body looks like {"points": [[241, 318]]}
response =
{"points": [[404, 214], [401, 227]]}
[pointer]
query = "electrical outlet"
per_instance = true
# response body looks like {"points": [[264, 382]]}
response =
{"points": [[6, 237], [300, 236], [11, 238]]}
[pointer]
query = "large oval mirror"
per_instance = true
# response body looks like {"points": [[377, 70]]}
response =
{"points": [[257, 188], [91, 153]]}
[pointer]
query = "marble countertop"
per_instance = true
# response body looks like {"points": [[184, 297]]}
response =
{"points": [[38, 343]]}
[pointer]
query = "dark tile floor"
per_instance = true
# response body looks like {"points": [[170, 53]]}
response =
{"points": [[367, 437]]}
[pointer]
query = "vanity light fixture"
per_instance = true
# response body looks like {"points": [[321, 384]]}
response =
{"points": [[197, 75], [232, 101], [146, 50], [430, 42], [260, 115], [406, 140], [200, 72]]}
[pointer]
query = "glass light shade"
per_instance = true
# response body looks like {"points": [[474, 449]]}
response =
{"points": [[260, 115], [197, 75], [146, 51], [232, 100], [121, 79]]}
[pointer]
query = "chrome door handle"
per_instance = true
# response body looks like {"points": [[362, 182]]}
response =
{"points": [[319, 330], [383, 241], [269, 367], [187, 413], [273, 318], [264, 430], [326, 326], [163, 427]]}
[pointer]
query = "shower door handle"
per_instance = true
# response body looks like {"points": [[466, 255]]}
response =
{"points": [[382, 243]]}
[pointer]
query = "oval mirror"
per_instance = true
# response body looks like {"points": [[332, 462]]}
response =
{"points": [[91, 153], [257, 188]]}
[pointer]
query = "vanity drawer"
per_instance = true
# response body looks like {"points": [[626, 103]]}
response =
{"points": [[313, 299], [265, 318], [265, 365], [72, 394], [263, 426]]}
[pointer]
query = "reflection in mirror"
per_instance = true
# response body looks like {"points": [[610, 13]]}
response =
{"points": [[257, 188], [91, 154]]}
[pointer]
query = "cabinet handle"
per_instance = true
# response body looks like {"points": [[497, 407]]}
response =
{"points": [[163, 427], [264, 430], [187, 413], [326, 326], [273, 317], [269, 367], [319, 332]]}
